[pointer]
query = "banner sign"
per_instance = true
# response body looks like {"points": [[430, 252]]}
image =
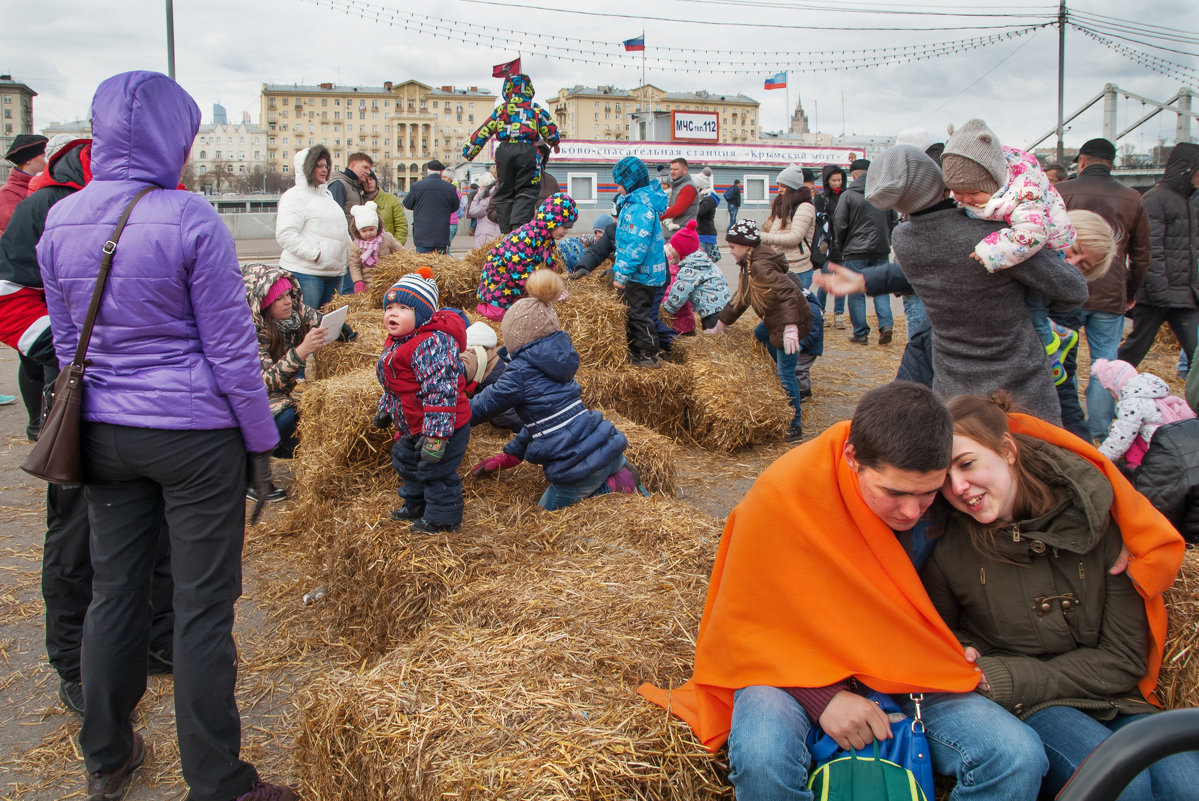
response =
{"points": [[578, 150], [695, 126]]}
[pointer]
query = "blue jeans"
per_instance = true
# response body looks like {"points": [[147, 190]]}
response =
{"points": [[993, 755], [1103, 330], [733, 214], [805, 280], [421, 249], [559, 496], [838, 302], [784, 364], [913, 312], [857, 302], [347, 284], [1038, 310], [1069, 736], [317, 290], [286, 421]]}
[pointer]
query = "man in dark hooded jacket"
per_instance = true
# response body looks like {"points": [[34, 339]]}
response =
{"points": [[1170, 292], [25, 327], [517, 124]]}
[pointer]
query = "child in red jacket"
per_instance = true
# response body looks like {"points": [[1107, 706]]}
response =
{"points": [[424, 395]]}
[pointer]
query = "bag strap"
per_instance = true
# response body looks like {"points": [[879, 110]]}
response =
{"points": [[110, 248]]}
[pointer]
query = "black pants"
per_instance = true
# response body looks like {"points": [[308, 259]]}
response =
{"points": [[32, 380], [1074, 419], [133, 477], [643, 335], [515, 198], [433, 486], [1146, 320], [67, 581], [665, 333]]}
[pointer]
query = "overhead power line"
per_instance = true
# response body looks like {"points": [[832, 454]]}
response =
{"points": [[1172, 69]]}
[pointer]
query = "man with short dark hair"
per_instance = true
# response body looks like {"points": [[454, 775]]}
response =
{"points": [[1057, 173], [346, 186], [732, 196], [683, 204], [431, 200], [1111, 294], [815, 601], [28, 156]]}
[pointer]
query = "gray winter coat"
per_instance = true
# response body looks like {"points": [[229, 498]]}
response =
{"points": [[1172, 281], [983, 338]]}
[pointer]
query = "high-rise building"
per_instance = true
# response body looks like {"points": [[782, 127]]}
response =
{"points": [[16, 116], [219, 115]]}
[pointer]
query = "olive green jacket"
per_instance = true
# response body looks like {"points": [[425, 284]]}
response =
{"points": [[1053, 627]]}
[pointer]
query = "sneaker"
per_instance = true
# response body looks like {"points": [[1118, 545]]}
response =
{"points": [[276, 494], [626, 480], [113, 786], [862, 340], [884, 336], [407, 512], [71, 695], [423, 526], [1067, 338], [639, 360], [160, 661], [838, 320], [262, 791], [794, 433], [1056, 371], [7, 399], [804, 394]]}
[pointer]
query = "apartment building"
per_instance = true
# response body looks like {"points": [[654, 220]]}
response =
{"points": [[401, 126], [603, 112], [237, 149], [16, 116]]}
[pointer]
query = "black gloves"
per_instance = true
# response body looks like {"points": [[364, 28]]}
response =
{"points": [[382, 419]]}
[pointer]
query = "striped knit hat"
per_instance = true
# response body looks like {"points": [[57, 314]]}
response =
{"points": [[417, 291]]}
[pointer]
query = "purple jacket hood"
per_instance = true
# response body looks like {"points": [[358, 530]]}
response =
{"points": [[174, 346]]}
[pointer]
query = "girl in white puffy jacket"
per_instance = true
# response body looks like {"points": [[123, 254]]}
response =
{"points": [[1143, 404], [312, 230]]}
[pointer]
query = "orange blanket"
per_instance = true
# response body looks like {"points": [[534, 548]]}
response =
{"points": [[1155, 545], [810, 587]]}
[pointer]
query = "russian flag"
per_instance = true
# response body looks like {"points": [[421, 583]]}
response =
{"points": [[633, 45], [777, 81]]}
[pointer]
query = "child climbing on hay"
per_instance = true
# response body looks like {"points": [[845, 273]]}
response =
{"points": [[1143, 404], [581, 452], [521, 252], [775, 298], [424, 395], [697, 282], [639, 266]]}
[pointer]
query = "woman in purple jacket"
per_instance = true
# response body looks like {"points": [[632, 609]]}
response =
{"points": [[173, 402]]}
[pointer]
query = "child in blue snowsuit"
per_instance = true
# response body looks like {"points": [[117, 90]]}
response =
{"points": [[639, 268]]}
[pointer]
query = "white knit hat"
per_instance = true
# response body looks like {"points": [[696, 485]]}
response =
{"points": [[482, 334], [366, 215]]}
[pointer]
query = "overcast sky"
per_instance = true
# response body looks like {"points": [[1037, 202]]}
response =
{"points": [[226, 49]]}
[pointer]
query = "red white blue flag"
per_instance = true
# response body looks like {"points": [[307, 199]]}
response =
{"points": [[633, 45], [777, 81]]}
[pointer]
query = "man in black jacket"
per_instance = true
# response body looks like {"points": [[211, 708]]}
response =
{"points": [[431, 200], [1170, 292], [25, 326], [863, 236]]}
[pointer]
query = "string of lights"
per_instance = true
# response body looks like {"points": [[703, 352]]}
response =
{"points": [[1172, 69]]}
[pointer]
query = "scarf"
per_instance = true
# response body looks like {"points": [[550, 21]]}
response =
{"points": [[370, 249]]}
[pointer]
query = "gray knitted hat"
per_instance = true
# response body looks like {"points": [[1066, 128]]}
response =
{"points": [[905, 179], [973, 142], [791, 177]]}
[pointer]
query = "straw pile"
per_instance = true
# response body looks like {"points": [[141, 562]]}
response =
{"points": [[339, 358], [521, 684], [457, 279], [1178, 683], [653, 398]]}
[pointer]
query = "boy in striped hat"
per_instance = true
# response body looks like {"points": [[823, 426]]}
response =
{"points": [[424, 396]]}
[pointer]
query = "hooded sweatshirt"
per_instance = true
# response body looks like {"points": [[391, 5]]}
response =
{"points": [[517, 119], [310, 225], [524, 250], [173, 347], [1172, 280], [279, 375]]}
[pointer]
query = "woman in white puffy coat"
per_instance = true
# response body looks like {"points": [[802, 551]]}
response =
{"points": [[311, 228]]}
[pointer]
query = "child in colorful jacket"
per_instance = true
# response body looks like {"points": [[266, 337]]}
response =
{"points": [[517, 124], [581, 452], [994, 182], [424, 395], [698, 283], [639, 267], [524, 250], [1143, 404]]}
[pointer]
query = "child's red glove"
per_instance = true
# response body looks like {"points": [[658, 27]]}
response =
{"points": [[493, 464], [359, 286]]}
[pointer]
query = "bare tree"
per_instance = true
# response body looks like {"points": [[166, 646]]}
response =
{"points": [[189, 178], [221, 173]]}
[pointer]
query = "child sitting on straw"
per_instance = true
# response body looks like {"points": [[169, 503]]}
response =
{"points": [[697, 283], [288, 333], [1143, 404], [775, 298], [368, 244], [521, 252], [581, 452], [484, 365], [424, 395]]}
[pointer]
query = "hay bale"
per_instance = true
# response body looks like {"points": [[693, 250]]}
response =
{"points": [[1178, 683], [521, 684], [339, 358], [734, 397], [653, 398], [595, 319], [457, 279]]}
